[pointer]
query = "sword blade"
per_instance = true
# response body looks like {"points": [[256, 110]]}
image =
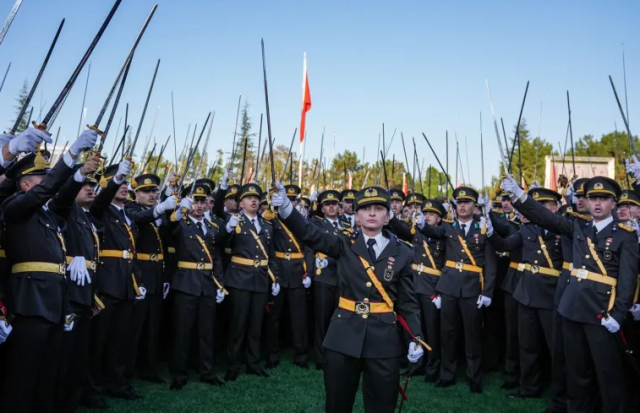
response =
{"points": [[266, 101], [7, 23], [144, 110]]}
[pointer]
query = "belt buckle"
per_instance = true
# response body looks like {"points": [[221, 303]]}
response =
{"points": [[62, 269], [570, 266], [126, 254], [582, 274], [362, 308], [287, 256], [521, 267], [256, 263], [153, 257], [535, 269], [92, 265], [459, 266], [200, 266], [420, 268]]}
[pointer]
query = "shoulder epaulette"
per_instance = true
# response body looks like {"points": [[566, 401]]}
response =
{"points": [[626, 227], [581, 216], [213, 224], [404, 242], [448, 221]]}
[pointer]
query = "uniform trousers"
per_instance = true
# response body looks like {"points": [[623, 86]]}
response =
{"points": [[147, 315], [458, 315], [512, 356], [325, 302], [534, 325], [297, 300], [558, 389], [189, 311], [381, 378], [431, 318], [590, 349], [32, 363], [109, 347], [247, 312]]}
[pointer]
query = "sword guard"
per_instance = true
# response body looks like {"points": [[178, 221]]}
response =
{"points": [[41, 127], [95, 128]]}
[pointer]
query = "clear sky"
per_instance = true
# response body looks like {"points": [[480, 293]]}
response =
{"points": [[419, 66]]}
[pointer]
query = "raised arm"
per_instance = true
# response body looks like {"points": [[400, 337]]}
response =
{"points": [[401, 230], [510, 243], [500, 225], [315, 238], [63, 201], [433, 231], [541, 216], [101, 203]]}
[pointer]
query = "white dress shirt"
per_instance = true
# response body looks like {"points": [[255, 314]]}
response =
{"points": [[119, 208], [195, 221], [256, 222], [602, 224], [467, 226], [381, 243]]}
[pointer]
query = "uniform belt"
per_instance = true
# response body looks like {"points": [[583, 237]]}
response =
{"points": [[514, 265], [364, 307], [247, 261], [536, 269], [149, 257], [289, 255], [567, 266], [127, 255], [39, 267], [3, 254], [195, 265], [91, 265], [427, 270], [460, 266], [592, 276]]}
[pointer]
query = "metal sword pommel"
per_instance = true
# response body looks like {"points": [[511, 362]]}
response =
{"points": [[95, 128]]}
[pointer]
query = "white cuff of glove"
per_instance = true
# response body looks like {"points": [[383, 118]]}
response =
{"points": [[286, 209], [68, 160], [78, 177]]}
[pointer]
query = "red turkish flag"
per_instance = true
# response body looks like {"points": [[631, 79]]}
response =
{"points": [[306, 98]]}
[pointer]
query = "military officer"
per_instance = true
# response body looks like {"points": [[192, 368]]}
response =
{"points": [[148, 215], [81, 239], [539, 271], [347, 216], [36, 251], [598, 295], [374, 272], [295, 261], [325, 277], [466, 285], [628, 206], [118, 286], [250, 278], [197, 285], [397, 201], [428, 261]]}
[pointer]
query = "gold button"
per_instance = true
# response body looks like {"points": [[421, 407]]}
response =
{"points": [[587, 256], [365, 316], [535, 262], [366, 300], [608, 292], [539, 252], [462, 251], [368, 284]]}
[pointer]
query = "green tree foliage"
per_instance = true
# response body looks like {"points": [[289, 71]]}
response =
{"points": [[20, 101]]}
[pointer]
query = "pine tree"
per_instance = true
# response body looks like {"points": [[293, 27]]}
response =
{"points": [[244, 134], [20, 101]]}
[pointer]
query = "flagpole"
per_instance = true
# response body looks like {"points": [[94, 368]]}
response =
{"points": [[303, 132]]}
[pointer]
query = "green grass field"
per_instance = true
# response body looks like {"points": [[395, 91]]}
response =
{"points": [[293, 390]]}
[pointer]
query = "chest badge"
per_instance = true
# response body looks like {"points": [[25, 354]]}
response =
{"points": [[607, 255]]}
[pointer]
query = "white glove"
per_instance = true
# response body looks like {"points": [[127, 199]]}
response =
{"points": [[219, 296], [124, 169], [78, 271], [633, 169], [185, 203], [511, 186], [313, 196], [610, 324], [165, 290], [224, 184], [489, 227], [302, 210], [483, 301], [535, 184], [570, 191], [169, 190], [437, 301], [306, 281], [415, 352], [635, 312], [5, 330], [321, 263], [233, 222], [27, 141], [86, 140], [68, 327], [420, 220], [143, 293], [280, 199], [275, 289], [486, 206], [164, 206]]}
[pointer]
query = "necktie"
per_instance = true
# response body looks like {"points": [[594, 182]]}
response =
{"points": [[370, 243], [253, 222], [463, 231], [200, 231], [595, 232], [335, 224], [123, 216]]}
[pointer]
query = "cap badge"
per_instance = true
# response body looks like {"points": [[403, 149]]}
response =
{"points": [[370, 192], [598, 186]]}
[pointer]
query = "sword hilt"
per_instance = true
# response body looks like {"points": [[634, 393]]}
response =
{"points": [[95, 128], [41, 126]]}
